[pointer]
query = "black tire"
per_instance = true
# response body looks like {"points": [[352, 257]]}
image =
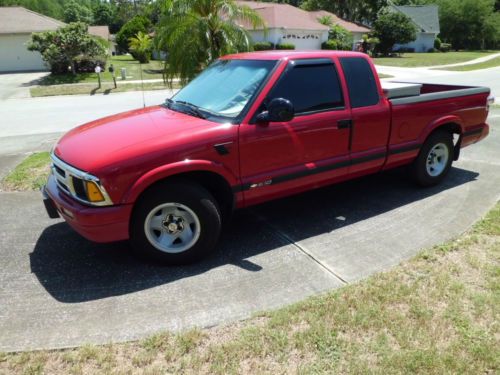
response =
{"points": [[419, 171], [190, 195]]}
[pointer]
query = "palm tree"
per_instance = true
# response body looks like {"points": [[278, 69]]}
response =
{"points": [[140, 45], [325, 20], [196, 32]]}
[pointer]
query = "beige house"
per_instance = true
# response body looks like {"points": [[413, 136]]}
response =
{"points": [[16, 26], [288, 24]]}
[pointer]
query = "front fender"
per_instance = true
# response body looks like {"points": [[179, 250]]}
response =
{"points": [[451, 119], [173, 169]]}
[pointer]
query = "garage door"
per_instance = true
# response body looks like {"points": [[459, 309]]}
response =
{"points": [[14, 56]]}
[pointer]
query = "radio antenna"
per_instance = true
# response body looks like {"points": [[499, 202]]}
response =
{"points": [[142, 87]]}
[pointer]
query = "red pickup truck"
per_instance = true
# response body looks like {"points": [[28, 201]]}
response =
{"points": [[250, 128]]}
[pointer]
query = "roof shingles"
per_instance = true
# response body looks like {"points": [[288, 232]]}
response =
{"points": [[283, 16], [18, 20], [426, 17]]}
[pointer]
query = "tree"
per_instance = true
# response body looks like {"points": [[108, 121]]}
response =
{"points": [[341, 36], [196, 32], [130, 29], [103, 14], [140, 46], [364, 11], [393, 27], [469, 24], [75, 12], [60, 48]]}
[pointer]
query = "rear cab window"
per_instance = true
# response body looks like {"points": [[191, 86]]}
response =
{"points": [[361, 83], [311, 85]]}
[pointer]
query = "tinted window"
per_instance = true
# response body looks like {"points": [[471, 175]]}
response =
{"points": [[310, 88], [363, 90]]}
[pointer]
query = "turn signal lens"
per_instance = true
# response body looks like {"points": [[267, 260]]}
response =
{"points": [[94, 194]]}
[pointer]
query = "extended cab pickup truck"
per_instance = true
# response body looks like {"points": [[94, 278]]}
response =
{"points": [[250, 128]]}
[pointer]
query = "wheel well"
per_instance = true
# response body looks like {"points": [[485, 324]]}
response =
{"points": [[451, 127], [456, 131], [213, 182]]}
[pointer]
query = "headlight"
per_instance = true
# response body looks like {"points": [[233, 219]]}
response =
{"points": [[82, 186]]}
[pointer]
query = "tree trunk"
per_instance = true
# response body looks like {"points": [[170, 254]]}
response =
{"points": [[73, 70]]}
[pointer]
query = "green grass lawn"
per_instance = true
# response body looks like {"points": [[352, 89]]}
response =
{"points": [[438, 313], [484, 65], [152, 70], [92, 88], [30, 174], [410, 60]]}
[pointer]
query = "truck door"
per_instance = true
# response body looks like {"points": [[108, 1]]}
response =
{"points": [[371, 117], [281, 158]]}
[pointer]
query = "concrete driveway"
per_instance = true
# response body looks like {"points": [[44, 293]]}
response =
{"points": [[57, 289], [16, 85]]}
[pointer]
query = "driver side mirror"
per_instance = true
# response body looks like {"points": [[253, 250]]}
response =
{"points": [[278, 110]]}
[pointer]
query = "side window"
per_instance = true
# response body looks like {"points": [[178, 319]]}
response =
{"points": [[361, 84], [310, 88]]}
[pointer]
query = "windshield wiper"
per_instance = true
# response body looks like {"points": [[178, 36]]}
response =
{"points": [[190, 107]]}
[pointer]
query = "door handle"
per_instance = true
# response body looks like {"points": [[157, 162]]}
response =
{"points": [[344, 124]]}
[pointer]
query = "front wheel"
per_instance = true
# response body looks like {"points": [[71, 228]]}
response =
{"points": [[434, 160], [175, 223]]}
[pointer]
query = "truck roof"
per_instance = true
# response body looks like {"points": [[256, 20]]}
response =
{"points": [[291, 54]]}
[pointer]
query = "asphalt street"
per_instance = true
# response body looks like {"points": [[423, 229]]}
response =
{"points": [[58, 289]]}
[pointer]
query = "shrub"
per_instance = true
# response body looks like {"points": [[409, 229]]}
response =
{"points": [[445, 47], [391, 28], [130, 29], [61, 48], [329, 44], [140, 47], [263, 46], [285, 46], [437, 43], [341, 36], [430, 50], [87, 64], [405, 50]]}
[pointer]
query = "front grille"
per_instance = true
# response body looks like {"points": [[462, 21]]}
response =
{"points": [[79, 188], [59, 170]]}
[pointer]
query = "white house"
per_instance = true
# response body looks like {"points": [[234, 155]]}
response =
{"points": [[287, 24], [426, 19], [16, 26]]}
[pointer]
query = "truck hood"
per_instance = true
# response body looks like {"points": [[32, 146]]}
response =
{"points": [[99, 143]]}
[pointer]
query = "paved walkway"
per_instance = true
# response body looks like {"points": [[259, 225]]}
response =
{"points": [[471, 62]]}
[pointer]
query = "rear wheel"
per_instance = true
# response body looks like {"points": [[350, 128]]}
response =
{"points": [[175, 223], [434, 160]]}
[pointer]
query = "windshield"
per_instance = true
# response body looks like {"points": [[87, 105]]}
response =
{"points": [[226, 86]]}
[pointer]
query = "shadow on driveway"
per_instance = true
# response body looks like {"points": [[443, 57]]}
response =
{"points": [[75, 270]]}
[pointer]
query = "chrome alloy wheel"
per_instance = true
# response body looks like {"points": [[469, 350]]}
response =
{"points": [[172, 227], [437, 159]]}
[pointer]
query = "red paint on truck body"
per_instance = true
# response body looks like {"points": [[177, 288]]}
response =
{"points": [[130, 151]]}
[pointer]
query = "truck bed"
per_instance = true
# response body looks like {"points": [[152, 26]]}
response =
{"points": [[400, 93]]}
